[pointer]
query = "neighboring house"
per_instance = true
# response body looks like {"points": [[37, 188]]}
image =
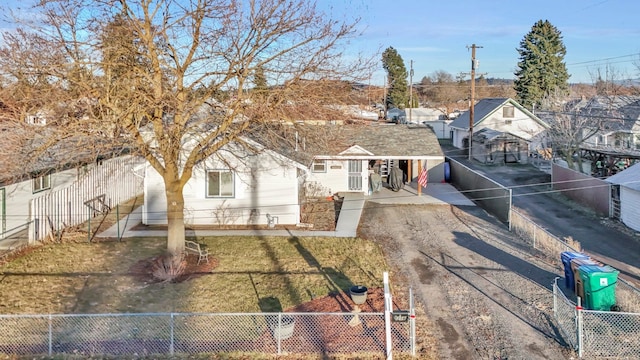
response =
{"points": [[619, 120], [62, 194], [237, 186], [626, 196], [503, 131]]}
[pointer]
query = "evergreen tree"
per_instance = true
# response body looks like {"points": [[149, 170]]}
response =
{"points": [[396, 79], [260, 80], [541, 69]]}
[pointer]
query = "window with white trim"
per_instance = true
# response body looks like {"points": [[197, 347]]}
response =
{"points": [[41, 183], [319, 166], [219, 183]]}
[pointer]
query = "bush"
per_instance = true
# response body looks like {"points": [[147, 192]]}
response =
{"points": [[169, 267]]}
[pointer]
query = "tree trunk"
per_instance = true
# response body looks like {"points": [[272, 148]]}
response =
{"points": [[175, 218]]}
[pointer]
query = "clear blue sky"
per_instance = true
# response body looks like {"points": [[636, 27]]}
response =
{"points": [[435, 33]]}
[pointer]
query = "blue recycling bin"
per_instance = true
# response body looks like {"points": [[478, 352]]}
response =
{"points": [[566, 258]]}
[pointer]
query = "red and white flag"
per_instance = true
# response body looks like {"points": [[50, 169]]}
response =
{"points": [[424, 177]]}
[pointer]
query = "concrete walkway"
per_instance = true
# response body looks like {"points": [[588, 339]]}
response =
{"points": [[348, 220]]}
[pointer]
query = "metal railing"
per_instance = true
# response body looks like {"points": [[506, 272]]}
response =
{"points": [[181, 333]]}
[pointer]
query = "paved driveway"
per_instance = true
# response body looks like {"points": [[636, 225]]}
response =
{"points": [[603, 239]]}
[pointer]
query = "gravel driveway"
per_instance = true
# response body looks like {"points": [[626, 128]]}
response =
{"points": [[484, 296], [609, 241]]}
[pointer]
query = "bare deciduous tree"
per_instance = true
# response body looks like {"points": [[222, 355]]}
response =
{"points": [[172, 78], [570, 127]]}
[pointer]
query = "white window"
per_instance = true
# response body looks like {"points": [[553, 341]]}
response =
{"points": [[508, 112], [42, 183], [219, 183], [319, 166]]}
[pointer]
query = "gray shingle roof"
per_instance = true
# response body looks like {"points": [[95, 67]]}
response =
{"points": [[394, 140], [486, 107], [619, 113], [381, 140], [630, 177], [483, 108]]}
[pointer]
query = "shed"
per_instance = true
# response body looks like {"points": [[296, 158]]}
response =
{"points": [[626, 191]]}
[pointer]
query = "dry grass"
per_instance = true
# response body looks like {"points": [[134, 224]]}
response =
{"points": [[84, 277]]}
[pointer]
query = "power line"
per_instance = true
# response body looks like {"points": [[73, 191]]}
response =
{"points": [[604, 59]]}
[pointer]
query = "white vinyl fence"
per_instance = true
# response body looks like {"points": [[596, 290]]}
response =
{"points": [[99, 187]]}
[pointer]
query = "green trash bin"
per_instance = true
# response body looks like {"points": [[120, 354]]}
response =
{"points": [[599, 286]]}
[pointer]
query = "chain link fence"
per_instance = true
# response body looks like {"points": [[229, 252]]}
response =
{"points": [[608, 334], [564, 311], [323, 334], [597, 334]]}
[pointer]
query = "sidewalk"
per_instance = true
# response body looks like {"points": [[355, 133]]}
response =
{"points": [[348, 220]]}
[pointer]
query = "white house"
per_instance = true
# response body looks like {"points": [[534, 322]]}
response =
{"points": [[60, 194], [241, 187], [378, 148], [626, 191], [234, 187], [618, 121], [504, 131]]}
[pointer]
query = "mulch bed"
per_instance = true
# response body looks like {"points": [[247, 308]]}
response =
{"points": [[143, 269]]}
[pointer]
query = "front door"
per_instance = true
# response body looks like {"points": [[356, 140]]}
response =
{"points": [[355, 175]]}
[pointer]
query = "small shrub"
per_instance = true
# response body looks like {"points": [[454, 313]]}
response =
{"points": [[169, 267]]}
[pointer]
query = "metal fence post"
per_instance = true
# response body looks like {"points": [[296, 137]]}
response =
{"points": [[279, 332], [50, 337], [89, 226], [555, 298], [172, 341], [412, 323], [118, 220], [388, 303], [579, 326]]}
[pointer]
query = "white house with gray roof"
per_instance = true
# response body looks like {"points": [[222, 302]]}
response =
{"points": [[617, 119], [504, 131], [255, 185]]}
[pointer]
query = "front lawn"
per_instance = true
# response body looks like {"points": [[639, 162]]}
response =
{"points": [[251, 274]]}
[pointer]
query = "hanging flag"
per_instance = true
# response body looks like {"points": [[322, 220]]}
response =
{"points": [[423, 178]]}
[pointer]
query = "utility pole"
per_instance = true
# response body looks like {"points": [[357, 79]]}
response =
{"points": [[384, 99], [474, 65], [410, 90]]}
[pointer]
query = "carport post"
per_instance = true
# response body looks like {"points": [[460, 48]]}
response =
{"points": [[419, 172]]}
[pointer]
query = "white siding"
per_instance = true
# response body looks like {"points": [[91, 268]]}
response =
{"points": [[630, 207], [263, 185], [19, 195], [440, 128], [336, 177], [63, 203], [458, 136], [520, 124]]}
